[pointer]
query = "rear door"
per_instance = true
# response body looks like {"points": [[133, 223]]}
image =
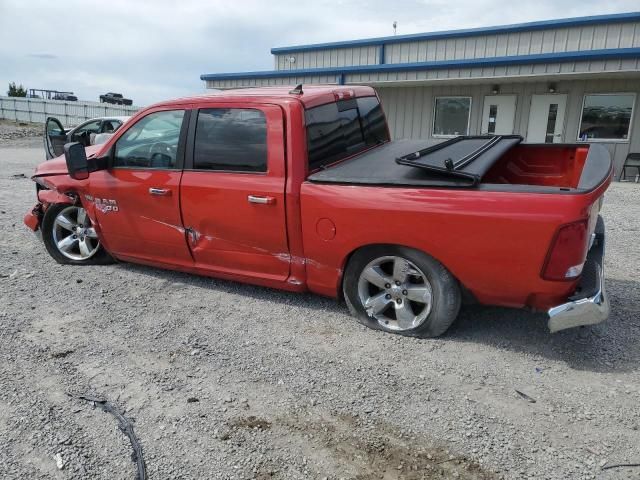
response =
{"points": [[232, 191], [54, 138], [137, 200]]}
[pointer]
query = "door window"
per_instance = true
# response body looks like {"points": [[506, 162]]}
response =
{"points": [[54, 127], [110, 126], [91, 127], [152, 142], [493, 117], [231, 139], [551, 123]]}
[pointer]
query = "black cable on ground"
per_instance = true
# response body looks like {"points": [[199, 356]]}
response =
{"points": [[126, 427]]}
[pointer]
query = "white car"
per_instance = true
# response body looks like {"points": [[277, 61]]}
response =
{"points": [[91, 132]]}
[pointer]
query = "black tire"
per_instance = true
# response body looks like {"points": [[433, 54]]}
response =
{"points": [[445, 290], [100, 257]]}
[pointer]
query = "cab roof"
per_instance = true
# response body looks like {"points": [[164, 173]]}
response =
{"points": [[312, 95]]}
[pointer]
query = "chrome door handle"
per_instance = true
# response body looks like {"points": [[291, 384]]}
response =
{"points": [[159, 191], [261, 200]]}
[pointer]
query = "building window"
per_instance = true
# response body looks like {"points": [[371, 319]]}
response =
{"points": [[231, 139], [606, 117], [451, 116]]}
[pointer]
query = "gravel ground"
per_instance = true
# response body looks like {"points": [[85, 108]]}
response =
{"points": [[16, 134], [229, 381]]}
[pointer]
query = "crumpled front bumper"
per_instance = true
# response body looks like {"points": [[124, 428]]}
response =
{"points": [[590, 304], [33, 217]]}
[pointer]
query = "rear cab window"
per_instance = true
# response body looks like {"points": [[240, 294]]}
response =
{"points": [[340, 129]]}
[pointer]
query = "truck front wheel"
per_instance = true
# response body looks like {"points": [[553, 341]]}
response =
{"points": [[70, 238], [401, 290]]}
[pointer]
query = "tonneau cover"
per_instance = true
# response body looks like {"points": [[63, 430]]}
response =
{"points": [[459, 162]]}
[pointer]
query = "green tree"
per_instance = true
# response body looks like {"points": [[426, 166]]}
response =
{"points": [[16, 91]]}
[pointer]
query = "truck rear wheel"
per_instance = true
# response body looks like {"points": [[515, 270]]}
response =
{"points": [[70, 238], [401, 290]]}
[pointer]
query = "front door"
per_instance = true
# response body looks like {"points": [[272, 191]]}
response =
{"points": [[546, 118], [54, 138], [498, 114], [232, 192], [137, 200]]}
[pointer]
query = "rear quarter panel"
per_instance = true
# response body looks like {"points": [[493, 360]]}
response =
{"points": [[495, 243]]}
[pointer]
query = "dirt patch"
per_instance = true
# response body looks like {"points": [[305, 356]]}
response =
{"points": [[250, 422], [377, 451]]}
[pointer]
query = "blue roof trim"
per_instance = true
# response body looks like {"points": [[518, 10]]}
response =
{"points": [[441, 64], [517, 27]]}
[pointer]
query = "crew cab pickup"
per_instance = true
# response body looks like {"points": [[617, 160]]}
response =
{"points": [[115, 98], [301, 189]]}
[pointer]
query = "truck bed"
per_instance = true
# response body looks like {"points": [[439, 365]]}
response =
{"points": [[507, 165]]}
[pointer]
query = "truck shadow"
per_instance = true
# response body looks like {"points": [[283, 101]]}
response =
{"points": [[609, 347], [613, 346]]}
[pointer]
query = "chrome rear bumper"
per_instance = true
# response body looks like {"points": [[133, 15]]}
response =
{"points": [[589, 305]]}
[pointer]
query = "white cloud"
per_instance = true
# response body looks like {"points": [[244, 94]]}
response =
{"points": [[152, 50]]}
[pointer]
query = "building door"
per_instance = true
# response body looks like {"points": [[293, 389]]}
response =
{"points": [[546, 118], [498, 114]]}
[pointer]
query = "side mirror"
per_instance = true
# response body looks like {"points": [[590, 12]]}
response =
{"points": [[76, 161]]}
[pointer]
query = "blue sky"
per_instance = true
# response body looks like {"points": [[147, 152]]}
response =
{"points": [[154, 50]]}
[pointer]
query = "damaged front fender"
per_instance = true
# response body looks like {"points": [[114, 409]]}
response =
{"points": [[53, 196]]}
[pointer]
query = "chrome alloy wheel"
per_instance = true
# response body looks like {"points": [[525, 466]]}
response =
{"points": [[395, 292], [73, 234]]}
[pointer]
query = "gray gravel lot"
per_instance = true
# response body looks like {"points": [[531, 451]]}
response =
{"points": [[229, 381]]}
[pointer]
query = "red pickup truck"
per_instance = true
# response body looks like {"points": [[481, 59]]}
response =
{"points": [[303, 190]]}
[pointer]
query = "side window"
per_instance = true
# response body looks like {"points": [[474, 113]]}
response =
{"points": [[110, 126], [152, 142], [91, 127], [231, 139]]}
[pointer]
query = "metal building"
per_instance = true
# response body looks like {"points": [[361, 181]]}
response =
{"points": [[564, 80]]}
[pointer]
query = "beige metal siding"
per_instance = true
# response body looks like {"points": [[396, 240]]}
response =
{"points": [[338, 57], [490, 73], [622, 35], [409, 110], [553, 40], [267, 82]]}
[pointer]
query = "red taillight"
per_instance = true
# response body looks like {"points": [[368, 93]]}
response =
{"points": [[568, 252]]}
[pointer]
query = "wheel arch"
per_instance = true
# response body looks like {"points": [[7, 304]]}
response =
{"points": [[349, 256], [467, 295]]}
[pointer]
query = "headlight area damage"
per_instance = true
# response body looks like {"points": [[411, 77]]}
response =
{"points": [[53, 186], [46, 197]]}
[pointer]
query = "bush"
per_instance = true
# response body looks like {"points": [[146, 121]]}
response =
{"points": [[16, 91]]}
